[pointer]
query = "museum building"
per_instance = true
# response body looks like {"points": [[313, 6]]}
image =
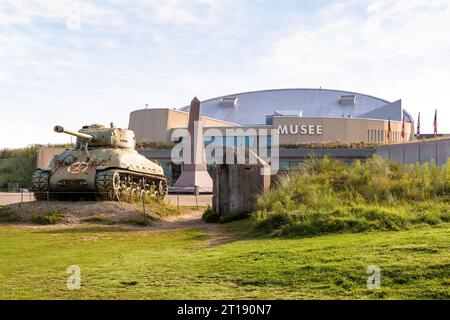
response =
{"points": [[298, 115]]}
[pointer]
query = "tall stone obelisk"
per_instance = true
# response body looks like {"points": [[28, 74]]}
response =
{"points": [[194, 173]]}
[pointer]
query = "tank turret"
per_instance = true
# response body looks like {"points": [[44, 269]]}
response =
{"points": [[97, 135], [103, 162]]}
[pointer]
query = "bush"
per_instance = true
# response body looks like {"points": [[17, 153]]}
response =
{"points": [[331, 196], [154, 145], [51, 217], [213, 217], [210, 216], [326, 145]]}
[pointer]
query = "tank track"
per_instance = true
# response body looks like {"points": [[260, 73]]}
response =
{"points": [[127, 186], [39, 184]]}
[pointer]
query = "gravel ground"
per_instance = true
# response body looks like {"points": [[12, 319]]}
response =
{"points": [[76, 212]]}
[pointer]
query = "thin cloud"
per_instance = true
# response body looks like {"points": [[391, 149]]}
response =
{"points": [[125, 54], [394, 49]]}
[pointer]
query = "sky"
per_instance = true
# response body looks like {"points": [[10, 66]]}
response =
{"points": [[81, 62]]}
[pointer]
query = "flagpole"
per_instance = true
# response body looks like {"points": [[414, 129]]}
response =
{"points": [[418, 127], [389, 131], [435, 123]]}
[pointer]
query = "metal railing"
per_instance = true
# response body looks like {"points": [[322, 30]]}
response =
{"points": [[183, 197], [15, 195], [188, 191]]}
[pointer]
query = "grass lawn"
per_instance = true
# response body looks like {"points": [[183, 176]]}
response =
{"points": [[124, 264]]}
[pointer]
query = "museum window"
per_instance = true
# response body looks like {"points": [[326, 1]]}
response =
{"points": [[265, 141]]}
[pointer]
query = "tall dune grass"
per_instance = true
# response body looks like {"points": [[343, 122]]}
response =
{"points": [[331, 196]]}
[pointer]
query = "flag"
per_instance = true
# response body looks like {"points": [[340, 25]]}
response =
{"points": [[403, 134], [418, 127], [435, 123], [389, 131]]}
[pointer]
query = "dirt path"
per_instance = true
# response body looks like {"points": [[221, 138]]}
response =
{"points": [[192, 220]]}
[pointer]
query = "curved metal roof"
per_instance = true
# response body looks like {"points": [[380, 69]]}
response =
{"points": [[252, 107]]}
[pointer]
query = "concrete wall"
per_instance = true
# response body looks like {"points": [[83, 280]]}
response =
{"points": [[422, 151], [156, 125], [149, 126]]}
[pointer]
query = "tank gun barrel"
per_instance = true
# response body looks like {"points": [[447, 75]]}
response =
{"points": [[82, 136]]}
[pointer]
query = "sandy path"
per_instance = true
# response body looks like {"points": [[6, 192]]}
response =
{"points": [[193, 220]]}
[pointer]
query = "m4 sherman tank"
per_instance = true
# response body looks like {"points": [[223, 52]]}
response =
{"points": [[103, 163]]}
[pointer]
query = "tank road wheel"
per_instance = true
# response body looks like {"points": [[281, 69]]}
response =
{"points": [[116, 187], [40, 184], [148, 194], [123, 186], [109, 185], [161, 190], [135, 193], [126, 194]]}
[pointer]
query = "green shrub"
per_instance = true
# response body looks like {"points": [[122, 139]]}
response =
{"points": [[51, 217], [154, 145], [213, 217], [326, 145], [210, 215]]}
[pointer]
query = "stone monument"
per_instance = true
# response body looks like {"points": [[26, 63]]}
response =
{"points": [[194, 174]]}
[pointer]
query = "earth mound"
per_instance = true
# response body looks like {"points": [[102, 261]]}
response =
{"points": [[53, 212]]}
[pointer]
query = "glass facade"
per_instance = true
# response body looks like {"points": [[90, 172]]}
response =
{"points": [[234, 141]]}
